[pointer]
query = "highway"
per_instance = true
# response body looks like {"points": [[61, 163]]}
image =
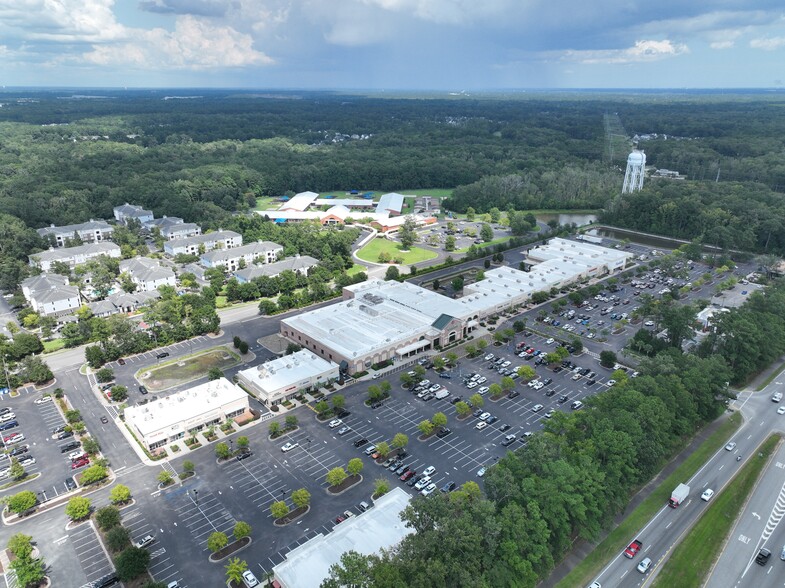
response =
{"points": [[669, 525]]}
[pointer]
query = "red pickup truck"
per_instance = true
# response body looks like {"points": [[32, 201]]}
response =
{"points": [[633, 549]]}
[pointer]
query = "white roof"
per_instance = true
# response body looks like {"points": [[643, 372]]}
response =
{"points": [[288, 370], [381, 315], [380, 527], [292, 214], [300, 201], [350, 202], [182, 406], [579, 252], [390, 202]]}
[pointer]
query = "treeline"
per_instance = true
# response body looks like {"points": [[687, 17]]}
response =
{"points": [[751, 337], [571, 186], [570, 480], [730, 215]]}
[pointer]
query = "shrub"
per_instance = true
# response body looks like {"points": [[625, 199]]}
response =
{"points": [[107, 517]]}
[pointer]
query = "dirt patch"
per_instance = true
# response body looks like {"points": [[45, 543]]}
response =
{"points": [[345, 485], [229, 549], [274, 343], [292, 516]]}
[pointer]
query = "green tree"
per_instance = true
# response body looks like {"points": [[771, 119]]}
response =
{"points": [[400, 441], [301, 497], [222, 450], [507, 383], [132, 563], [91, 446], [117, 538], [449, 243], [426, 427], [78, 508], [336, 476], [438, 364], [339, 401], [486, 232], [164, 478], [526, 372], [439, 420], [462, 408], [355, 466], [457, 283], [243, 529], [482, 344], [21, 545], [374, 393], [608, 359], [274, 428], [95, 473], [215, 374], [107, 517], [120, 494], [495, 390], [242, 443], [477, 400], [29, 571], [189, 467], [279, 509], [16, 471], [234, 570], [119, 393], [381, 487], [104, 375], [385, 387], [321, 408], [407, 234], [217, 541], [470, 212], [290, 421], [392, 273], [383, 448]]}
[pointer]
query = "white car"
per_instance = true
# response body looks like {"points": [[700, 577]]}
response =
{"points": [[649, 323], [539, 386], [489, 357], [335, 423], [537, 407], [26, 461], [429, 471], [531, 383], [144, 541], [481, 425], [484, 416], [549, 341], [289, 446], [43, 400], [610, 383], [249, 579], [483, 390], [482, 380], [730, 446], [707, 494], [9, 416], [343, 430], [428, 489], [471, 385], [481, 472], [77, 454], [781, 410], [424, 481]]}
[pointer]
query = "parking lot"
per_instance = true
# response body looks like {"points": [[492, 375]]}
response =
{"points": [[33, 443]]}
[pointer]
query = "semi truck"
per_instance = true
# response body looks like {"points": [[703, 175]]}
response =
{"points": [[679, 495]]}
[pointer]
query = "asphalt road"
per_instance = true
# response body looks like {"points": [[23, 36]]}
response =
{"points": [[667, 527]]}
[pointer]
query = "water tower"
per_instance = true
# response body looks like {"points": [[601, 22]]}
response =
{"points": [[636, 169]]}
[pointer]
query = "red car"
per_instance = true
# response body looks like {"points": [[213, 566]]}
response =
{"points": [[80, 463], [633, 549], [407, 475]]}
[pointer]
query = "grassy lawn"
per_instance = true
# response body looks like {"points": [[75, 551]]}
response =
{"points": [[355, 269], [488, 244], [435, 192], [616, 540], [221, 302], [695, 556], [372, 250], [53, 345], [266, 203], [186, 369]]}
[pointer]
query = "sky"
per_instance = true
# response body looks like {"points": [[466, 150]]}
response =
{"points": [[452, 45]]}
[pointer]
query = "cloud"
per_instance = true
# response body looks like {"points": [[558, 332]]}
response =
{"points": [[60, 21], [768, 43], [194, 44], [211, 8], [727, 44], [642, 51]]}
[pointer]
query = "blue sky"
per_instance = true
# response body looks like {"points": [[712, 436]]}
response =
{"points": [[393, 44]]}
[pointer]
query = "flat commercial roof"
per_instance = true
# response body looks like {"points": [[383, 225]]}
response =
{"points": [[379, 527], [182, 406], [581, 252], [301, 201], [288, 370], [380, 315]]}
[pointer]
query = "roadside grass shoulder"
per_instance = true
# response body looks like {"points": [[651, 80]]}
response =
{"points": [[616, 540], [692, 561]]}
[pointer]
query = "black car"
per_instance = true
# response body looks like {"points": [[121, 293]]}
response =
{"points": [[448, 487], [504, 427], [243, 455], [513, 394], [162, 355], [562, 399], [557, 369], [70, 446], [142, 389], [443, 433], [377, 404], [64, 435], [547, 381], [19, 450], [590, 382], [70, 484], [104, 582], [59, 429], [550, 393], [414, 480], [491, 419], [478, 412], [342, 413], [402, 470], [456, 399], [360, 442]]}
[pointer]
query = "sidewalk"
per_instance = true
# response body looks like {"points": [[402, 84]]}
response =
{"points": [[582, 548]]}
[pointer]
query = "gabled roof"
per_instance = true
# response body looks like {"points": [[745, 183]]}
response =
{"points": [[166, 221], [442, 321], [257, 248], [102, 247], [55, 294], [69, 230], [132, 210], [391, 202], [273, 269], [44, 282]]}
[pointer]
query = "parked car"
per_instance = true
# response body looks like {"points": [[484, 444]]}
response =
{"points": [[361, 442], [289, 446], [43, 400], [537, 407], [249, 579], [144, 541], [335, 423]]}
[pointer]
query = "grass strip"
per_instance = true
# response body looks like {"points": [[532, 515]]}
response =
{"points": [[763, 385], [693, 559], [616, 540]]}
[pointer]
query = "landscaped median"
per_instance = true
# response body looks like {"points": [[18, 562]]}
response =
{"points": [[691, 563], [610, 547]]}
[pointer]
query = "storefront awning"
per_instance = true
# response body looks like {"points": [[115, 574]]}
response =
{"points": [[412, 347]]}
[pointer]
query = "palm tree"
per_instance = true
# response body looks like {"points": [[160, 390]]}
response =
{"points": [[235, 569]]}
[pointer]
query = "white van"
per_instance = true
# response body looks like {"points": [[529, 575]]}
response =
{"points": [[443, 393]]}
